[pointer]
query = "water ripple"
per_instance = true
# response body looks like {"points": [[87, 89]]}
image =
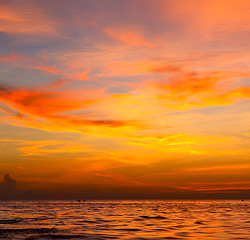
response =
{"points": [[40, 220]]}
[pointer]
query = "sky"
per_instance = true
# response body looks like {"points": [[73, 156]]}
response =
{"points": [[133, 97]]}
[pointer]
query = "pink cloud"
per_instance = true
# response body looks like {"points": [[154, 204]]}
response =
{"points": [[130, 37]]}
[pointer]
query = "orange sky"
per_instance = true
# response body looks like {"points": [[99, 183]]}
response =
{"points": [[127, 95]]}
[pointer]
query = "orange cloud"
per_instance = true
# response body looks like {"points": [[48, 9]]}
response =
{"points": [[125, 68], [50, 111], [187, 90], [53, 70], [135, 68], [120, 179], [39, 102], [27, 62], [208, 20], [222, 168], [129, 37], [46, 147], [57, 84], [83, 75], [229, 97], [218, 186], [13, 58], [14, 20]]}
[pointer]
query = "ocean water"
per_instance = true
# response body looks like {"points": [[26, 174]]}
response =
{"points": [[149, 219]]}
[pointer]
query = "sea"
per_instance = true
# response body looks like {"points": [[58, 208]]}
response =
{"points": [[125, 219]]}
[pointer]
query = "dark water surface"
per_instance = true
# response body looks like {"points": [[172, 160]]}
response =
{"points": [[149, 219]]}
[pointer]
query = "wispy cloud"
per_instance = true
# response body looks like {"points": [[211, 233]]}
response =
{"points": [[130, 37], [48, 111], [25, 19]]}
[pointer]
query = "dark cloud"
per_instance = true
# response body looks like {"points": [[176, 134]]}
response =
{"points": [[8, 187], [8, 191], [4, 89], [11, 111], [167, 69]]}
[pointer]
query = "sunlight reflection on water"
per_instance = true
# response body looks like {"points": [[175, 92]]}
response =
{"points": [[147, 219]]}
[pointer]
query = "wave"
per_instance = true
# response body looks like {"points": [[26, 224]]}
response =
{"points": [[153, 217], [57, 236], [10, 221], [13, 233]]}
